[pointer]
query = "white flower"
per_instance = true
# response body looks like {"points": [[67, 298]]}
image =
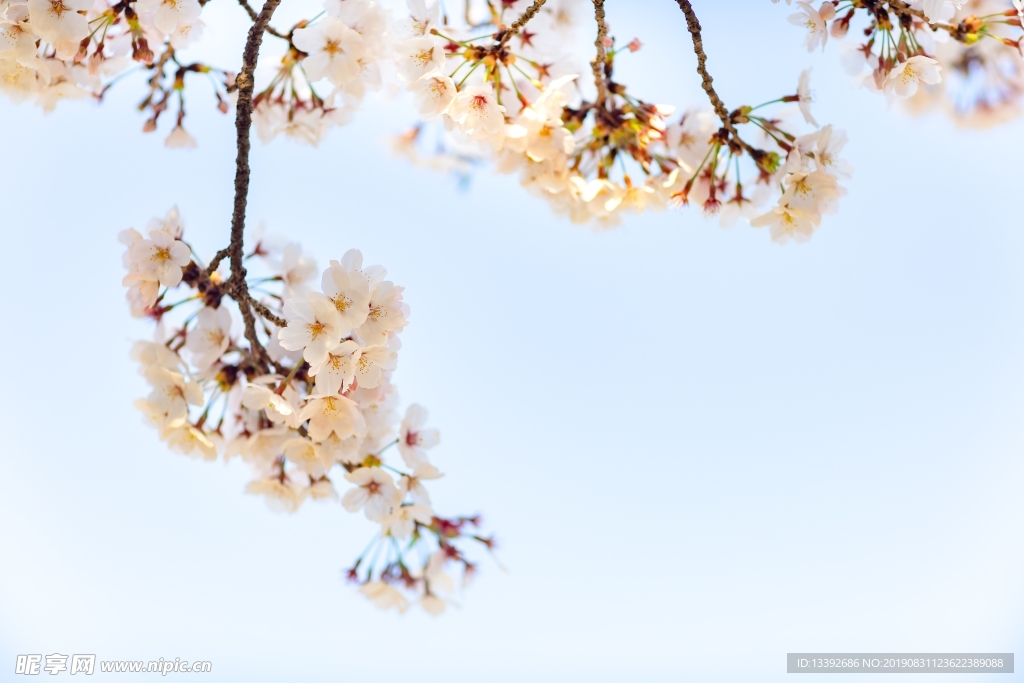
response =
{"points": [[413, 440], [437, 578], [433, 604], [190, 441], [419, 56], [332, 414], [371, 363], [433, 95], [296, 270], [786, 223], [476, 108], [366, 18], [167, 404], [180, 139], [349, 291], [307, 456], [281, 496], [803, 92], [322, 489], [942, 10], [314, 326], [337, 369], [412, 484], [142, 293], [278, 408], [813, 193], [18, 78], [153, 354], [211, 337], [17, 37], [160, 258], [187, 34], [690, 139], [59, 23], [811, 19], [385, 596], [169, 15], [545, 136], [334, 51], [904, 77], [402, 520], [421, 17], [375, 493], [387, 314], [262, 448], [825, 145]]}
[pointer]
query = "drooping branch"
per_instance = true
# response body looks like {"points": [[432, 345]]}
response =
{"points": [[601, 60], [506, 35], [236, 287], [693, 26]]}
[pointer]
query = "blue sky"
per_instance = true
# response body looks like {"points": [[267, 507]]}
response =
{"points": [[699, 450]]}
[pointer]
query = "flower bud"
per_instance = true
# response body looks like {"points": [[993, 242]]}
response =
{"points": [[827, 11]]}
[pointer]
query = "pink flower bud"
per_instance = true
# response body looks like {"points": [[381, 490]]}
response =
{"points": [[879, 75], [634, 45], [827, 11], [839, 28]]}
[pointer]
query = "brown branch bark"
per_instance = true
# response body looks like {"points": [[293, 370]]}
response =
{"points": [[267, 313], [253, 15], [693, 26], [601, 60], [236, 286], [506, 35]]}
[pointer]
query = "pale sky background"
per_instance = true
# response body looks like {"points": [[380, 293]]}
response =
{"points": [[699, 450]]}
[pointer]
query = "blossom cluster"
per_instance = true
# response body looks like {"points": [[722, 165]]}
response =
{"points": [[595, 157], [71, 49], [347, 47], [304, 396], [962, 56]]}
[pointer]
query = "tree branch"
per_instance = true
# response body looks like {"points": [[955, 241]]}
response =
{"points": [[693, 26], [237, 287], [505, 35], [601, 60], [253, 15]]}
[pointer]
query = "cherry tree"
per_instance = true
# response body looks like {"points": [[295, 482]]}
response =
{"points": [[259, 354]]}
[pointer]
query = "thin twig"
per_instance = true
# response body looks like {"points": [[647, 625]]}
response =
{"points": [[218, 257], [267, 313], [253, 15], [601, 60], [506, 34]]}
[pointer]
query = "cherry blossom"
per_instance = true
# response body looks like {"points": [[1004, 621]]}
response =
{"points": [[211, 337], [413, 440], [334, 51], [314, 325], [61, 23], [903, 80], [375, 493], [814, 22], [295, 422]]}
